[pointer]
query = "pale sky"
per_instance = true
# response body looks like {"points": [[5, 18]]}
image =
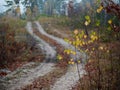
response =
{"points": [[78, 1], [2, 8]]}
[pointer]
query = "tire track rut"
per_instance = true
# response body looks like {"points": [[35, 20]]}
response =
{"points": [[46, 42], [49, 51], [60, 41], [71, 77]]}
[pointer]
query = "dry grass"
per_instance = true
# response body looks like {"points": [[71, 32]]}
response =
{"points": [[52, 26], [14, 51]]}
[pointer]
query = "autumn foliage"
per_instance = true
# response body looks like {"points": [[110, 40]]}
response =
{"points": [[12, 50]]}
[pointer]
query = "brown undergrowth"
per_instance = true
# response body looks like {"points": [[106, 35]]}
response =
{"points": [[105, 74], [14, 49]]}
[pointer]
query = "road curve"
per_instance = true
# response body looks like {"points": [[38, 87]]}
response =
{"points": [[46, 48], [71, 77], [79, 55]]}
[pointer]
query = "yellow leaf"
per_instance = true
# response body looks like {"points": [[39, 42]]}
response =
{"points": [[101, 48], [59, 57], [85, 36], [71, 60], [78, 61], [75, 31], [86, 50], [74, 43], [93, 49], [83, 43], [110, 21], [70, 42], [72, 63], [74, 53], [66, 40], [68, 52], [86, 23], [90, 61], [89, 21], [90, 41], [99, 9], [91, 36]]}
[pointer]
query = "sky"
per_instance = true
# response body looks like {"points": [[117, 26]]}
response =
{"points": [[78, 1], [2, 8]]}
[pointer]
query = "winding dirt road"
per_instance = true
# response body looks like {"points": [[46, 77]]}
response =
{"points": [[71, 77], [46, 48], [27, 74], [60, 41]]}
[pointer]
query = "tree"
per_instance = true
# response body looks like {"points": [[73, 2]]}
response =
{"points": [[70, 9]]}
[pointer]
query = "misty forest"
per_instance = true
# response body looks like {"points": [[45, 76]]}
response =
{"points": [[59, 44]]}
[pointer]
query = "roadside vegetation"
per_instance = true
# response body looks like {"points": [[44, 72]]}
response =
{"points": [[101, 44], [95, 31], [14, 44]]}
